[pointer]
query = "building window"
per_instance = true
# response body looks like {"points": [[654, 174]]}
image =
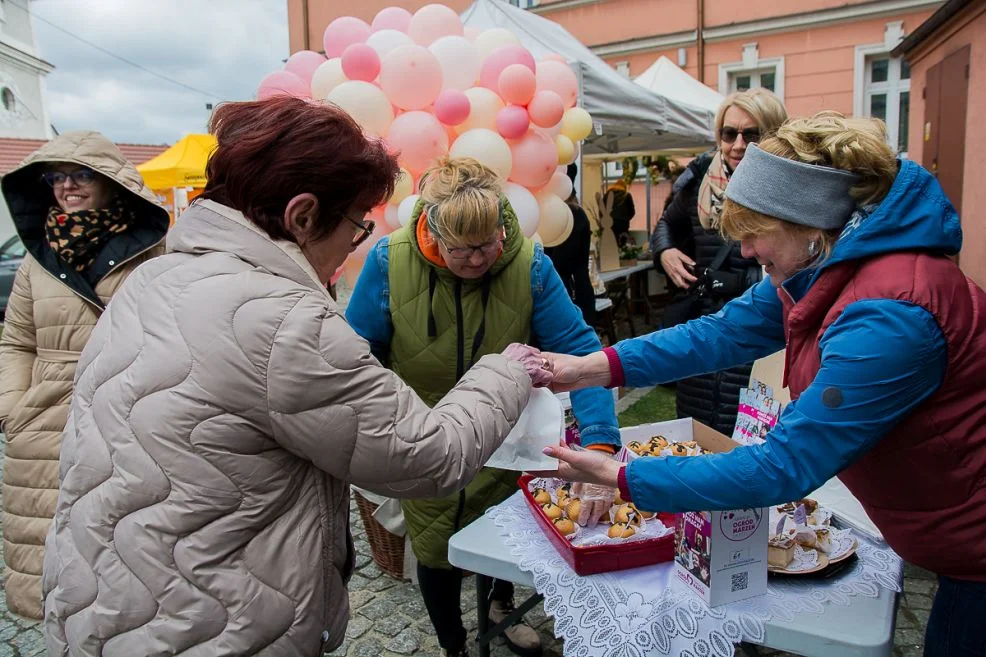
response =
{"points": [[887, 95], [751, 72], [623, 68], [8, 100], [524, 4], [744, 80]]}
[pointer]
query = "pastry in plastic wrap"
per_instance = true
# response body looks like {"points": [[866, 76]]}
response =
{"points": [[541, 496], [823, 540], [552, 510]]}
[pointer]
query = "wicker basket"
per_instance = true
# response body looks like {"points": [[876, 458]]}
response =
{"points": [[386, 549]]}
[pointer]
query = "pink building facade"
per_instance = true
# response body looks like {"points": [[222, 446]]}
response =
{"points": [[947, 57]]}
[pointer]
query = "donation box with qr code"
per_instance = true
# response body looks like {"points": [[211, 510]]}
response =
{"points": [[722, 555]]}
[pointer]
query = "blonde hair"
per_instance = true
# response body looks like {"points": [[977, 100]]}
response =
{"points": [[826, 139], [761, 104], [462, 201]]}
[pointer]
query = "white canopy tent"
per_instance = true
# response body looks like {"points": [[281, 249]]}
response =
{"points": [[666, 79], [628, 117]]}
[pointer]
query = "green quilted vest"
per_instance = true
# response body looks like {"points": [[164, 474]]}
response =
{"points": [[435, 342]]}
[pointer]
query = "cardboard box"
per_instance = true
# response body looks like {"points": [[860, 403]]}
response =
{"points": [[721, 555]]}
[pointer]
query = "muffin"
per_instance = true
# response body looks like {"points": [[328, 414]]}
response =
{"points": [[541, 496], [626, 515], [620, 530], [565, 526], [678, 449], [552, 510]]}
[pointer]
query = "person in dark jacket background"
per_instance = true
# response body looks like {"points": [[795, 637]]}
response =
{"points": [[687, 241], [571, 257]]}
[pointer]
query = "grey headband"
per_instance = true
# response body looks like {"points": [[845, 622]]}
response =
{"points": [[806, 194]]}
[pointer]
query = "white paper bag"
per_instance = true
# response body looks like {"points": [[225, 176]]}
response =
{"points": [[542, 424]]}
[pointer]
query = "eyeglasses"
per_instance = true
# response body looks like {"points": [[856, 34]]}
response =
{"points": [[80, 177], [729, 134], [366, 229], [465, 252]]}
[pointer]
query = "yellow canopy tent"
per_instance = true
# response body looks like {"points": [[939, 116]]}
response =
{"points": [[178, 174]]}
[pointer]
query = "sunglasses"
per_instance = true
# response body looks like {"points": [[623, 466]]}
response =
{"points": [[729, 134], [80, 177], [366, 229]]}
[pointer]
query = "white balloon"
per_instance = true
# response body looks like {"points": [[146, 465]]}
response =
{"points": [[386, 40], [486, 147], [460, 62], [327, 77], [525, 207], [556, 220], [536, 237], [484, 104], [391, 214], [366, 103], [560, 185], [489, 40], [405, 209]]}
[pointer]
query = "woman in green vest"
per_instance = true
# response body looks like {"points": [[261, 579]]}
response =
{"points": [[459, 281]]}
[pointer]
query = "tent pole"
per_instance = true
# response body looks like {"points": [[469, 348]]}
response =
{"points": [[578, 158], [647, 190]]}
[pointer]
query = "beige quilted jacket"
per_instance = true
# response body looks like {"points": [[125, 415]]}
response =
{"points": [[52, 311], [204, 508]]}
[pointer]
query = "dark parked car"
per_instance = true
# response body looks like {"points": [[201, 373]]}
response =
{"points": [[11, 254]]}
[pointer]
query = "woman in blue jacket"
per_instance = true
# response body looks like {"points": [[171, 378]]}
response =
{"points": [[885, 341], [459, 281]]}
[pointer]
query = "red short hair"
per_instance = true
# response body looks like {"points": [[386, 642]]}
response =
{"points": [[269, 151]]}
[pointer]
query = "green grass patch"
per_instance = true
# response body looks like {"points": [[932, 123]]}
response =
{"points": [[656, 406]]}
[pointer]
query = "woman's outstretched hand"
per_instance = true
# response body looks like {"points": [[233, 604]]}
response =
{"points": [[538, 366], [585, 465]]}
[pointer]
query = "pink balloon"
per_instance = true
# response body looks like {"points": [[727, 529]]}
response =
{"points": [[419, 138], [432, 22], [283, 83], [555, 57], [546, 109], [534, 160], [303, 64], [452, 107], [361, 62], [501, 58], [560, 78], [516, 84], [411, 76], [512, 122], [391, 18], [343, 32]]}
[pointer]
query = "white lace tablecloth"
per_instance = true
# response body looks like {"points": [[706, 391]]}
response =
{"points": [[647, 611]]}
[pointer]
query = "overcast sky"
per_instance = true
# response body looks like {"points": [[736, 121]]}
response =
{"points": [[220, 47]]}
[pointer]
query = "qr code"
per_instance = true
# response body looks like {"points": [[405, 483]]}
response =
{"points": [[740, 581]]}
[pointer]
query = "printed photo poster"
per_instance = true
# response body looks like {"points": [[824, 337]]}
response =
{"points": [[757, 414], [694, 544]]}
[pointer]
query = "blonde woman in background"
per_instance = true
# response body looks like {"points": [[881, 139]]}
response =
{"points": [[459, 281], [885, 339], [687, 242]]}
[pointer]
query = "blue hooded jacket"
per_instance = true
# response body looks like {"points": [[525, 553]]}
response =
{"points": [[556, 325], [885, 356]]}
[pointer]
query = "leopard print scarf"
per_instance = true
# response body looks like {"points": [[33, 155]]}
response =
{"points": [[78, 237]]}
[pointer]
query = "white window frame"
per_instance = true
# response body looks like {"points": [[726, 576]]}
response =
{"points": [[623, 68], [893, 34], [524, 4], [751, 64]]}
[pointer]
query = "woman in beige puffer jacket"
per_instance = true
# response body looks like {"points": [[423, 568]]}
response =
{"points": [[204, 507], [84, 234]]}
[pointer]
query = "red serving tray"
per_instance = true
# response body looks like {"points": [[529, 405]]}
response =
{"points": [[589, 560]]}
